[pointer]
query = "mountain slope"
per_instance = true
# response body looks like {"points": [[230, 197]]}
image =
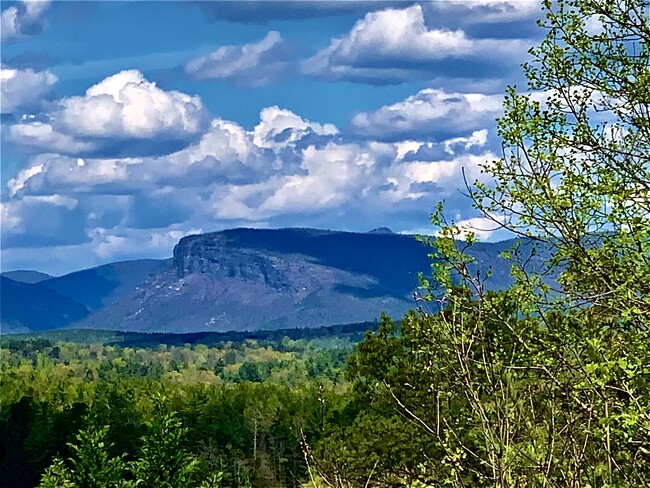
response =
{"points": [[34, 307], [103, 285]]}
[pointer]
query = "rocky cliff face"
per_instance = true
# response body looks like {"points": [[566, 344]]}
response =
{"points": [[213, 255]]}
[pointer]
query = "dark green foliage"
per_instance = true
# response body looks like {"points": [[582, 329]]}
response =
{"points": [[352, 332], [164, 461], [250, 372]]}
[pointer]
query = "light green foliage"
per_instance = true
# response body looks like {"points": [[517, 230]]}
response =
{"points": [[576, 172], [57, 476]]}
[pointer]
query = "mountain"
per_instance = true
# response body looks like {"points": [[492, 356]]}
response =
{"points": [[251, 279], [33, 307], [242, 279], [103, 285], [26, 276]]}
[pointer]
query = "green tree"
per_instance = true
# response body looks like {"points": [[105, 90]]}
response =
{"points": [[575, 174], [164, 461], [250, 371], [91, 465]]}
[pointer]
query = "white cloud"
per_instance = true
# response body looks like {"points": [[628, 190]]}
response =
{"points": [[225, 153], [127, 105], [56, 173], [416, 179], [477, 138], [56, 200], [482, 228], [23, 89], [26, 16], [287, 170], [252, 65], [393, 44], [42, 136], [224, 141], [9, 217], [123, 108], [113, 245], [338, 176], [428, 113], [246, 174], [333, 175], [9, 23], [18, 183], [445, 171]]}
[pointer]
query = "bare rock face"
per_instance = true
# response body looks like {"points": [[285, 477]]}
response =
{"points": [[215, 257]]}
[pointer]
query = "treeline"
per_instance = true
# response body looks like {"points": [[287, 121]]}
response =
{"points": [[353, 333]]}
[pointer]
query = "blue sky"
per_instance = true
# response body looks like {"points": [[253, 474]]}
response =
{"points": [[127, 125]]}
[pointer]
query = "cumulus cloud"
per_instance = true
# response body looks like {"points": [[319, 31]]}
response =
{"points": [[127, 105], [430, 114], [42, 136], [396, 45], [120, 244], [23, 19], [497, 19], [122, 115], [485, 11], [249, 174], [483, 228], [24, 89], [280, 127], [248, 65]]}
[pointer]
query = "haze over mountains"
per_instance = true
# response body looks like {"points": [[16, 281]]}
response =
{"points": [[234, 280]]}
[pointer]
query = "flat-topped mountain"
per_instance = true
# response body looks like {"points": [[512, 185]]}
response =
{"points": [[248, 279]]}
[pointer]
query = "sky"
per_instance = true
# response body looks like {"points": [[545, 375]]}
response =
{"points": [[128, 125]]}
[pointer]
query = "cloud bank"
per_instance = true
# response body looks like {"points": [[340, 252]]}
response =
{"points": [[396, 45]]}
